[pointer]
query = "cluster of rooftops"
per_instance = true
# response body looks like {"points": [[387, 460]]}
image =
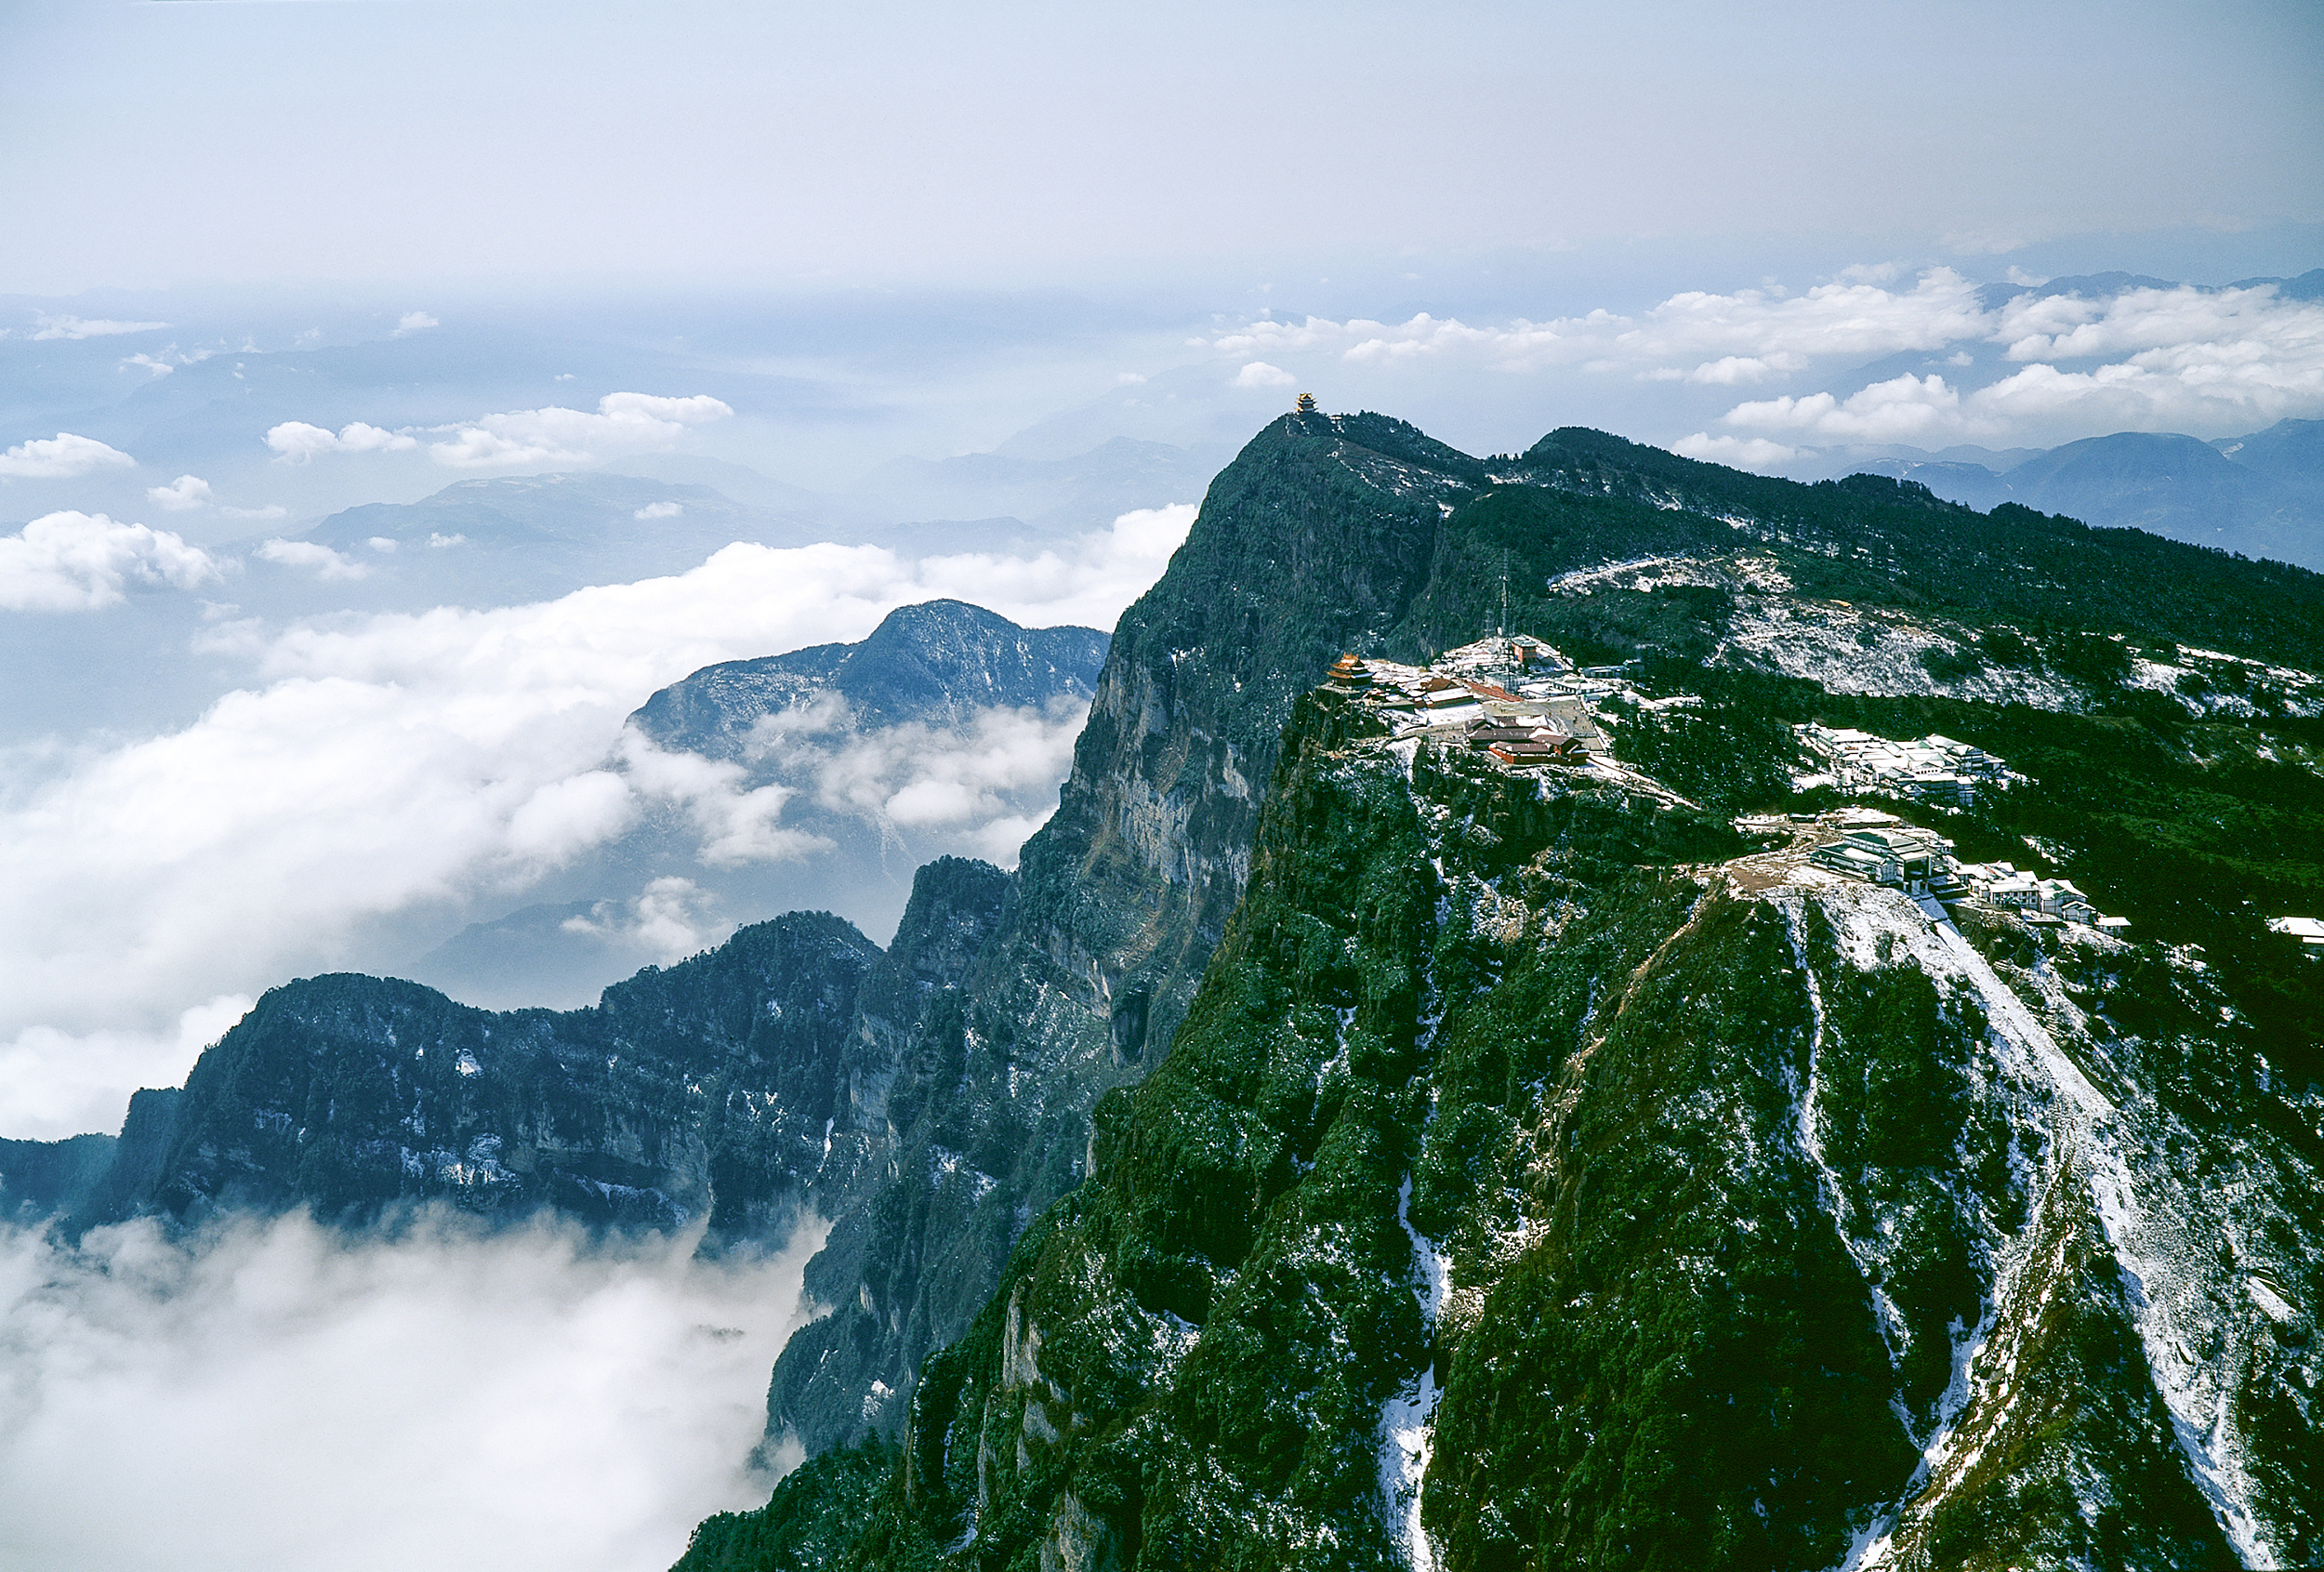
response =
{"points": [[1880, 849], [1935, 768], [1515, 698], [1519, 701]]}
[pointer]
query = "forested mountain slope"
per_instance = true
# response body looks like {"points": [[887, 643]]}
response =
{"points": [[1546, 1175], [1174, 1177]]}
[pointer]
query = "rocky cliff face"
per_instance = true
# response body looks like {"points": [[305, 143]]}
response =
{"points": [[706, 1090], [1315, 538]]}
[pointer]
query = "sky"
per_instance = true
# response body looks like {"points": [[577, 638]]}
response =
{"points": [[265, 260], [1200, 146]]}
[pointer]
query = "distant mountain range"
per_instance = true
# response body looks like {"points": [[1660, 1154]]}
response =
{"points": [[936, 663], [2262, 495]]}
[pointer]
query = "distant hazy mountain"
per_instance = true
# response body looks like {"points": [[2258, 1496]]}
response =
{"points": [[2168, 484], [523, 537], [816, 779], [936, 663], [2262, 495], [2098, 286], [507, 539], [2291, 453]]}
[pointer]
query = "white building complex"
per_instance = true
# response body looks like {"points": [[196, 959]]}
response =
{"points": [[1935, 768]]}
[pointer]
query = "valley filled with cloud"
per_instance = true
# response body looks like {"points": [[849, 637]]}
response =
{"points": [[371, 776], [529, 1397]]}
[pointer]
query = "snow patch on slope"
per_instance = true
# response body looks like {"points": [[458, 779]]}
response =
{"points": [[2167, 1293], [1406, 1420]]}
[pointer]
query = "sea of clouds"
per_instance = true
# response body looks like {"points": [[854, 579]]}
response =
{"points": [[275, 1394], [376, 766]]}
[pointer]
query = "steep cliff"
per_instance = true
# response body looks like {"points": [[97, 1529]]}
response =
{"points": [[708, 1088], [1316, 537]]}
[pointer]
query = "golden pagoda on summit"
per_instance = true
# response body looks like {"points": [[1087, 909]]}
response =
{"points": [[1307, 403], [1350, 674]]}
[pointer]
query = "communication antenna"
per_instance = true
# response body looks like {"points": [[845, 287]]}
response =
{"points": [[1504, 595]]}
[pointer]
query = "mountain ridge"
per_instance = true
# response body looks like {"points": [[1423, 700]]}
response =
{"points": [[1279, 1013]]}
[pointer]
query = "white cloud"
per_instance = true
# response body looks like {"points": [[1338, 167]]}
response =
{"points": [[2209, 362], [622, 423], [415, 321], [979, 789], [734, 823], [297, 442], [1900, 410], [389, 764], [167, 361], [273, 1396], [659, 510], [327, 563], [271, 511], [916, 776], [566, 816], [61, 457], [65, 1083], [1743, 453], [182, 496], [1729, 370], [81, 561], [1696, 335], [671, 918], [75, 327]]}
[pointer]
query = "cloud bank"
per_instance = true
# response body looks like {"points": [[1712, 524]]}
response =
{"points": [[76, 327], [622, 423], [2034, 368], [2207, 361], [324, 561], [85, 561], [183, 494], [295, 441], [61, 457], [389, 764], [275, 1397], [999, 776]]}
